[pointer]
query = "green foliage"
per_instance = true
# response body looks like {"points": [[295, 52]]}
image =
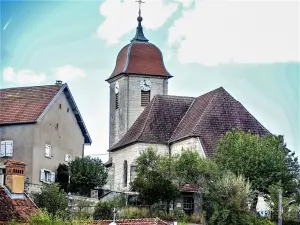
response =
{"points": [[103, 211], [62, 176], [264, 161], [230, 196], [47, 219], [291, 222], [51, 198], [153, 184], [86, 173], [134, 213]]}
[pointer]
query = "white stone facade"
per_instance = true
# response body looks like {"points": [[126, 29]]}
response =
{"points": [[131, 152]]}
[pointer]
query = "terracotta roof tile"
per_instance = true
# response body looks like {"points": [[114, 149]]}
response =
{"points": [[140, 58], [25, 104], [19, 209]]}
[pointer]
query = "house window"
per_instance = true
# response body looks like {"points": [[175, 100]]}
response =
{"points": [[56, 126], [132, 173], [68, 109], [48, 151], [117, 100], [47, 176], [6, 149], [188, 204], [125, 173], [145, 98], [59, 106]]}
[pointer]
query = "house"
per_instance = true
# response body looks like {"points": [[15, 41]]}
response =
{"points": [[143, 115], [41, 126]]}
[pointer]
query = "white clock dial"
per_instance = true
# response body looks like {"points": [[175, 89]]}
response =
{"points": [[117, 88], [145, 85]]}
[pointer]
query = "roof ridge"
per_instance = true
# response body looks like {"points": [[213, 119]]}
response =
{"points": [[204, 111], [146, 120], [36, 86], [181, 120], [128, 57]]}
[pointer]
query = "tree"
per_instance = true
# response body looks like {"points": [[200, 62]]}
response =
{"points": [[230, 196], [153, 184], [86, 173], [51, 198], [62, 176], [264, 161]]}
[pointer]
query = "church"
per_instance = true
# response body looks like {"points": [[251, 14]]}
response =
{"points": [[143, 115]]}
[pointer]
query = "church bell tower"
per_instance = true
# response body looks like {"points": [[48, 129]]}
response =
{"points": [[139, 75]]}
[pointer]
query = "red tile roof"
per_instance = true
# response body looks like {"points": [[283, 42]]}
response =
{"points": [[19, 209], [150, 221], [25, 104], [140, 58], [168, 119]]}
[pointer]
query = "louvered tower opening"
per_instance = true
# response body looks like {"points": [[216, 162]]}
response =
{"points": [[145, 98]]}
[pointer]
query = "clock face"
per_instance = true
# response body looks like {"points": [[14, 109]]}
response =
{"points": [[145, 85], [117, 88]]}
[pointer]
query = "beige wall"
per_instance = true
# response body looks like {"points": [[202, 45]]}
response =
{"points": [[67, 139], [23, 139], [29, 140], [187, 144], [130, 153]]}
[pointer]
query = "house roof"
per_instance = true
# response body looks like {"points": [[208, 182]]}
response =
{"points": [[24, 105], [146, 221], [168, 119], [19, 209]]}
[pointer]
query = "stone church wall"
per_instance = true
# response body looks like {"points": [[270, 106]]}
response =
{"points": [[190, 143], [129, 154]]}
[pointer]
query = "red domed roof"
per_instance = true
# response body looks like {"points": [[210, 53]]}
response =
{"points": [[140, 58]]}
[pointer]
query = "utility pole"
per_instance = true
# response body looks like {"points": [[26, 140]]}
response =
{"points": [[280, 207]]}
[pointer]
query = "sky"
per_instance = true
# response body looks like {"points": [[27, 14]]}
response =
{"points": [[251, 48]]}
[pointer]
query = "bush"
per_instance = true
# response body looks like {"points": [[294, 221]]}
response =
{"points": [[291, 222], [51, 198], [134, 213], [103, 211]]}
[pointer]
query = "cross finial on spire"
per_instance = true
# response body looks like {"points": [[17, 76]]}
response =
{"points": [[139, 36], [140, 4]]}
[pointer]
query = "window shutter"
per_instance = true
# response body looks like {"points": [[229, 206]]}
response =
{"points": [[48, 150], [9, 148], [2, 150], [42, 175], [52, 177]]}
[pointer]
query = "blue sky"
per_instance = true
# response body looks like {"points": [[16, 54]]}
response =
{"points": [[250, 48]]}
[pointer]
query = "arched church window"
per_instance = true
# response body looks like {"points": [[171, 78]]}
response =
{"points": [[125, 165], [145, 98], [132, 173]]}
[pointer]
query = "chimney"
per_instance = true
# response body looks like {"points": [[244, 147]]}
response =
{"points": [[14, 176], [58, 82]]}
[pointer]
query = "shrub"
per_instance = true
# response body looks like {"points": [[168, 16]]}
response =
{"points": [[134, 213], [291, 222], [51, 198], [103, 211]]}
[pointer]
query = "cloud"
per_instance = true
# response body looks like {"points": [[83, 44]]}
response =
{"points": [[68, 73], [23, 76], [214, 32], [120, 17]]}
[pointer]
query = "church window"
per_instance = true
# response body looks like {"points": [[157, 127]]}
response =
{"points": [[145, 98], [125, 173], [132, 173], [117, 100]]}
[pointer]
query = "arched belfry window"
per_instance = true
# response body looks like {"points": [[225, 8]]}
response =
{"points": [[125, 165], [145, 98]]}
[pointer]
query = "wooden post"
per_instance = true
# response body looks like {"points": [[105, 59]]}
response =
{"points": [[280, 207]]}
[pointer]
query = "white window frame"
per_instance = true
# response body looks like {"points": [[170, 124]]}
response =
{"points": [[50, 177], [48, 155], [6, 148]]}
